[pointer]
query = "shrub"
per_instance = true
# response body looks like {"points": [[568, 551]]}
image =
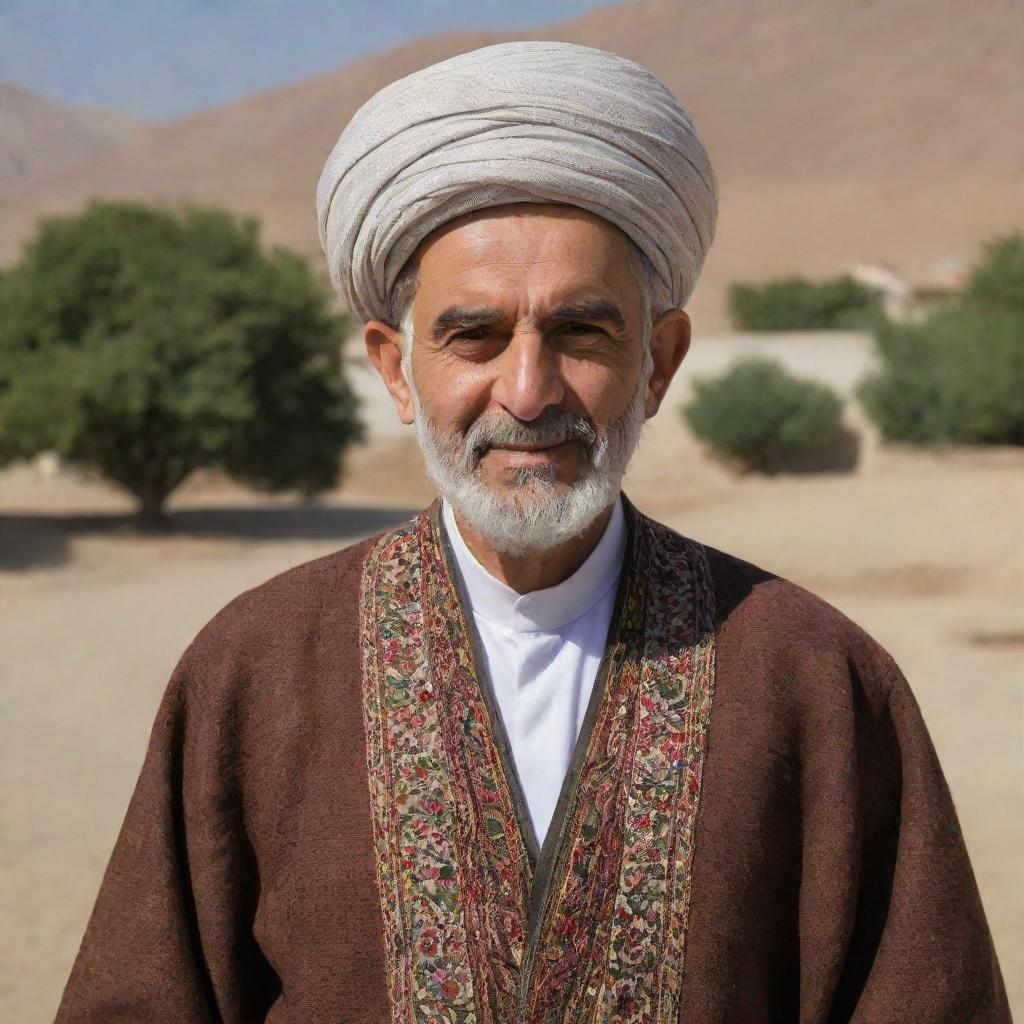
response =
{"points": [[798, 305], [959, 375], [763, 417], [956, 377], [147, 344]]}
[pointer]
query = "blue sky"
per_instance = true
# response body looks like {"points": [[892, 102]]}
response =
{"points": [[163, 58]]}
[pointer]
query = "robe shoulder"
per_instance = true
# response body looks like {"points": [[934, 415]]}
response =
{"points": [[304, 616], [793, 638]]}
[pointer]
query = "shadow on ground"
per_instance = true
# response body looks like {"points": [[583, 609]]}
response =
{"points": [[44, 541]]}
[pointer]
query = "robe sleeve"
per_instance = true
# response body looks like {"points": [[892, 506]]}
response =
{"points": [[920, 949], [169, 938]]}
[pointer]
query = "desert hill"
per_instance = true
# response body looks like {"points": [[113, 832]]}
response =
{"points": [[840, 132], [41, 137]]}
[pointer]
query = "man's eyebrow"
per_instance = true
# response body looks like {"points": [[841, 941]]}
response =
{"points": [[587, 309], [464, 317], [468, 317]]}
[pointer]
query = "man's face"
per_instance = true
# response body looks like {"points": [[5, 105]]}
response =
{"points": [[521, 313], [528, 368]]}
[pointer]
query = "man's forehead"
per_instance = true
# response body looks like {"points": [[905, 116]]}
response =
{"points": [[531, 291], [556, 252], [522, 233]]}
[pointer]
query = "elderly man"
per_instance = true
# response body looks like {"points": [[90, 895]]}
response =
{"points": [[532, 756]]}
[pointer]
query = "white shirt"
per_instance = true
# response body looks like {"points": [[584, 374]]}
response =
{"points": [[543, 649]]}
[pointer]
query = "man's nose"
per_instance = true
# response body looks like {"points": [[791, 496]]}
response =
{"points": [[529, 376]]}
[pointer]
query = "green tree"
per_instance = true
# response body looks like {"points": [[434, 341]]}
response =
{"points": [[146, 343], [997, 280], [761, 416]]}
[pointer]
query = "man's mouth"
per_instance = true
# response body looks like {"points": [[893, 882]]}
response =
{"points": [[524, 456], [527, 447]]}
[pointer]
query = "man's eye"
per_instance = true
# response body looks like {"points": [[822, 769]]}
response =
{"points": [[472, 334], [580, 329]]}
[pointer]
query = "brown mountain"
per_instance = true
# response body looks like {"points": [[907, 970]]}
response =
{"points": [[41, 137], [841, 132]]}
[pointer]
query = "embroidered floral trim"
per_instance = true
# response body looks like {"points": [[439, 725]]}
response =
{"points": [[410, 790], [454, 874], [496, 870]]}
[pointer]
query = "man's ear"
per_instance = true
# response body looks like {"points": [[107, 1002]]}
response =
{"points": [[384, 347], [670, 341]]}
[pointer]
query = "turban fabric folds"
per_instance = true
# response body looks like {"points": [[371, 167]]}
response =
{"points": [[541, 122]]}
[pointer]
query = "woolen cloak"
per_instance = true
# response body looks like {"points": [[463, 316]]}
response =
{"points": [[328, 826]]}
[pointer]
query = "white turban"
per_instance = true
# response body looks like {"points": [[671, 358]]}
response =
{"points": [[538, 122]]}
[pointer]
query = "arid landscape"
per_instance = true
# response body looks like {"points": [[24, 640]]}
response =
{"points": [[841, 133]]}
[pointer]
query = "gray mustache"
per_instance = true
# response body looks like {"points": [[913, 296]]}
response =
{"points": [[552, 426]]}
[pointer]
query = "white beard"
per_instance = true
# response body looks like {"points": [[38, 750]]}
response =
{"points": [[537, 513]]}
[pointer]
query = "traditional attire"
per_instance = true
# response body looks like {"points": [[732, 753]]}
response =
{"points": [[330, 826]]}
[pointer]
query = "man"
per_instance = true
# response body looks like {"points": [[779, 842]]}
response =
{"points": [[533, 756]]}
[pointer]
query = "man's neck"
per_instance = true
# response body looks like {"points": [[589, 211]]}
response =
{"points": [[535, 570]]}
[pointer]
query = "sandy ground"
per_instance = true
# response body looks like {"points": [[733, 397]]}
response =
{"points": [[926, 551]]}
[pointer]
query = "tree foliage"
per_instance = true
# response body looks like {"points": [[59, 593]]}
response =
{"points": [[958, 376], [146, 344], [761, 416], [794, 304], [997, 280]]}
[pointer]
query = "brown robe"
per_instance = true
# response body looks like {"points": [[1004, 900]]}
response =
{"points": [[328, 826]]}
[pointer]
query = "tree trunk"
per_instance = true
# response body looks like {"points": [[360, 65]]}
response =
{"points": [[150, 514]]}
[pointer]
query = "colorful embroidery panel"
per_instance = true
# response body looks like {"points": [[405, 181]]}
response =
{"points": [[607, 937], [415, 830]]}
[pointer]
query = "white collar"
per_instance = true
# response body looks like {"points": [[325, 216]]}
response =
{"points": [[551, 608]]}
